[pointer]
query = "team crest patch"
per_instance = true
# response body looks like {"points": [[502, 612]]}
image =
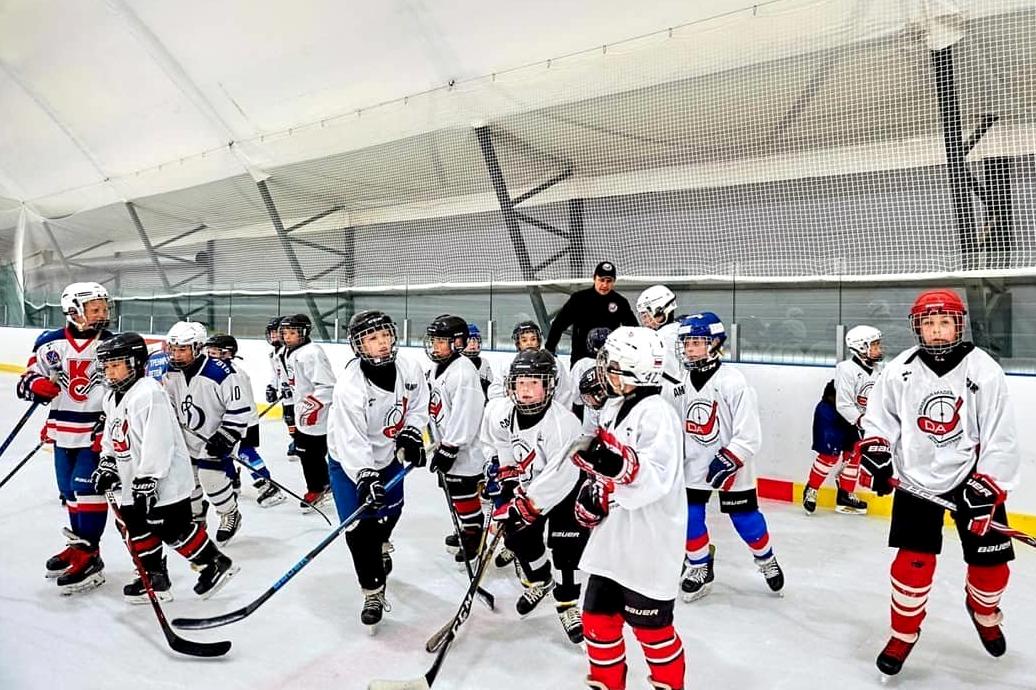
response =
{"points": [[613, 307], [702, 421], [938, 416], [863, 394], [53, 358]]}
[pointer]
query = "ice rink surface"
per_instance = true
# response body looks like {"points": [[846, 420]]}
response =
{"points": [[825, 632]]}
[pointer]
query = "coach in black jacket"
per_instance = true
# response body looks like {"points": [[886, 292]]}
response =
{"points": [[595, 307]]}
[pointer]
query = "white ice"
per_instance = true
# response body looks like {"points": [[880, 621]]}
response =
{"points": [[825, 631]]}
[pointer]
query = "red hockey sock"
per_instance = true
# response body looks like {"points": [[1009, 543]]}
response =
{"points": [[985, 585], [911, 575], [605, 649], [663, 651], [850, 473], [821, 468]]}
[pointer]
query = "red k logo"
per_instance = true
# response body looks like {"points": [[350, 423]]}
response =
{"points": [[79, 380]]}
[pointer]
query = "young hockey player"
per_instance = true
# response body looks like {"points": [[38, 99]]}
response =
{"points": [[594, 342], [278, 388], [534, 484], [634, 502], [527, 335], [224, 348], [838, 434], [312, 381], [143, 451], [62, 373], [656, 309], [379, 412], [207, 396], [940, 418], [721, 436], [455, 411], [473, 351]]}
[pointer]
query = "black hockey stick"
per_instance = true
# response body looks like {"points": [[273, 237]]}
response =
{"points": [[18, 427], [245, 611], [177, 643], [485, 596], [425, 682], [263, 413], [938, 500], [233, 456], [20, 463]]}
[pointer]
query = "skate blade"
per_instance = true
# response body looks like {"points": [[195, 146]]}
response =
{"points": [[92, 582], [845, 510], [689, 597], [231, 572], [54, 574], [273, 501], [372, 630], [144, 599]]}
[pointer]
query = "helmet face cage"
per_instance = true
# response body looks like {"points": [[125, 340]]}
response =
{"points": [[301, 327], [939, 302], [118, 385], [526, 327], [74, 299], [182, 334], [592, 390], [273, 335], [132, 351], [474, 347], [859, 340], [655, 305], [549, 382], [451, 329], [603, 366], [356, 337], [705, 327]]}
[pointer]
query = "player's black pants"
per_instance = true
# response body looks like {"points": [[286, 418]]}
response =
{"points": [[172, 524], [564, 537], [312, 450]]}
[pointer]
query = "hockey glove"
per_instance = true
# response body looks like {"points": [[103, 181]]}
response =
{"points": [[221, 442], [601, 460], [491, 483], [145, 494], [106, 477], [443, 458], [875, 464], [723, 470], [285, 391], [36, 388], [592, 501], [271, 394], [369, 488], [980, 498], [97, 433], [516, 514], [410, 444]]}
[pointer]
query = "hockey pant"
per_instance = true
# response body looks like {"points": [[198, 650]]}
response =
{"points": [[87, 510], [211, 481], [743, 509], [172, 524], [312, 451]]}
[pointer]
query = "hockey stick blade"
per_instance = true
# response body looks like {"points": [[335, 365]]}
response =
{"points": [[416, 684]]}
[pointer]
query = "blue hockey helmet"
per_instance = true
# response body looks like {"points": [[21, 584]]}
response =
{"points": [[705, 325]]}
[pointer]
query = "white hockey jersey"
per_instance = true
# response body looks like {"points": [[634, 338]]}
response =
{"points": [[142, 433], [640, 544], [455, 406], [214, 397], [853, 383], [539, 453], [485, 373], [279, 375], [247, 394], [723, 414], [60, 356], [312, 382], [939, 426], [365, 419], [565, 386]]}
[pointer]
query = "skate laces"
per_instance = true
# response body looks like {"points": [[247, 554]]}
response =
{"points": [[534, 591], [229, 520], [376, 600], [570, 617], [768, 567], [697, 572]]}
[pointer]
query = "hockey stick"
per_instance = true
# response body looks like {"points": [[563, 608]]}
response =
{"points": [[245, 611], [938, 500], [263, 413], [233, 456], [425, 682], [177, 643], [20, 463], [485, 596], [18, 427]]}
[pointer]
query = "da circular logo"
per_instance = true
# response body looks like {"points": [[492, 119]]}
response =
{"points": [[938, 416], [702, 421]]}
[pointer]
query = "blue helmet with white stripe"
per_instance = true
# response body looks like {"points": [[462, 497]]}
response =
{"points": [[474, 346], [704, 326]]}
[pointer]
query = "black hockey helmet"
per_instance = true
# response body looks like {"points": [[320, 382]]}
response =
{"points": [[273, 337], [298, 322], [450, 327], [124, 346], [538, 364], [595, 339], [527, 327], [226, 344], [364, 323], [591, 389]]}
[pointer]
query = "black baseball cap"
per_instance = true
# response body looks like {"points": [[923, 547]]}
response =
{"points": [[605, 269]]}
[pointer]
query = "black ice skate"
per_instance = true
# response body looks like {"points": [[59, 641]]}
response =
{"points": [[452, 542], [374, 606], [849, 503], [229, 524], [85, 571], [890, 661], [989, 631], [136, 593], [771, 570], [504, 557], [809, 499], [571, 620], [269, 495], [214, 575], [697, 579], [533, 595]]}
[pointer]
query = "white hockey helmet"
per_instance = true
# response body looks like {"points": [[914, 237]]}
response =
{"points": [[184, 333], [74, 299], [635, 354], [657, 303], [859, 338]]}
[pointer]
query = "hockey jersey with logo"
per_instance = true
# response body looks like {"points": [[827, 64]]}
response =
{"points": [[142, 433], [213, 397], [853, 383], [455, 406], [943, 427], [723, 414], [312, 382], [365, 419], [565, 386], [279, 372]]}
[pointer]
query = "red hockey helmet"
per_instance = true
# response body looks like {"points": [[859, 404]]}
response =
{"points": [[938, 301]]}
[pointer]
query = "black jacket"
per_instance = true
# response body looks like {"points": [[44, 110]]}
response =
{"points": [[586, 310]]}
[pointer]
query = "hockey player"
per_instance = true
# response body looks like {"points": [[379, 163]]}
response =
{"points": [[838, 435], [210, 404], [224, 348], [312, 381], [473, 351], [594, 342], [594, 395], [528, 434], [634, 502], [278, 388], [455, 410], [656, 309], [143, 450], [940, 417], [527, 335], [721, 437], [62, 373], [379, 411]]}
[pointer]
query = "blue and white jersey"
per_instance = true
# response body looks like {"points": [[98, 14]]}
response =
{"points": [[211, 398]]}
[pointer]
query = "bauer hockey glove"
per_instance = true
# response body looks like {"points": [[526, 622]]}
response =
{"points": [[36, 388], [592, 501], [271, 394], [410, 444], [106, 477], [980, 498], [491, 481], [443, 458], [516, 514], [601, 460], [221, 443], [875, 464], [145, 494], [285, 391], [723, 470], [369, 488]]}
